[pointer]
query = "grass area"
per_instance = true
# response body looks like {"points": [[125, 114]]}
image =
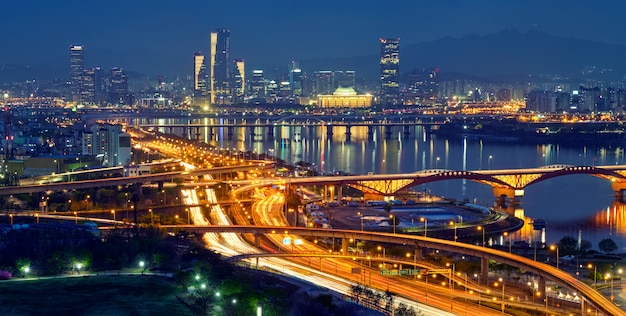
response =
{"points": [[94, 295]]}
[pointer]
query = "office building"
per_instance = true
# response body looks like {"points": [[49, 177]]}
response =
{"points": [[200, 76], [390, 70], [77, 64], [295, 80], [118, 88], [220, 67], [257, 85], [239, 80], [88, 86]]}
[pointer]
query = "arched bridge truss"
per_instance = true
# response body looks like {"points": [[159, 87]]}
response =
{"points": [[505, 182]]}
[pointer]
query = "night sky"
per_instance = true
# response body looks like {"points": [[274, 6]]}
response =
{"points": [[276, 31]]}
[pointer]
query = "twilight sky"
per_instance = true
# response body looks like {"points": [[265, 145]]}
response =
{"points": [[276, 31]]}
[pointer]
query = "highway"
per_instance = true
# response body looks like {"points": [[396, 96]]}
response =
{"points": [[600, 302]]}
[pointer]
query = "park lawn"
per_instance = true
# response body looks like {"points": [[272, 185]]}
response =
{"points": [[93, 295]]}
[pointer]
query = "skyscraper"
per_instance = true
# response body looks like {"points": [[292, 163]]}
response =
{"points": [[390, 70], [295, 80], [200, 76], [239, 80], [257, 85], [220, 67], [88, 86], [77, 64], [118, 90]]}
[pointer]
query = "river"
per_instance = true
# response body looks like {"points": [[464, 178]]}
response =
{"points": [[570, 204]]}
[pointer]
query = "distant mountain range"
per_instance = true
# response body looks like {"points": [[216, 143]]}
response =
{"points": [[506, 55]]}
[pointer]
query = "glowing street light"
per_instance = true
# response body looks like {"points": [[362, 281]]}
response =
{"points": [[361, 215], [453, 223], [483, 230], [394, 223], [553, 247], [114, 221], [425, 220], [595, 274]]}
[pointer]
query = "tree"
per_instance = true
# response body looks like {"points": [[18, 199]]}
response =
{"points": [[607, 245], [567, 245]]}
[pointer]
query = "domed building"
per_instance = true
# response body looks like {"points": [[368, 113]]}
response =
{"points": [[344, 97]]}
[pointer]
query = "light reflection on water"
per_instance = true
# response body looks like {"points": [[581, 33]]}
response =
{"points": [[568, 204]]}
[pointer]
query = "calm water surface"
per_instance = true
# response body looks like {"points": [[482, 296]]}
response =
{"points": [[569, 204]]}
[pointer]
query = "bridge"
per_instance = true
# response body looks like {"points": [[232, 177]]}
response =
{"points": [[505, 183], [543, 271], [155, 178]]}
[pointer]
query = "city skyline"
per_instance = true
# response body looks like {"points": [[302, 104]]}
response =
{"points": [[279, 31]]}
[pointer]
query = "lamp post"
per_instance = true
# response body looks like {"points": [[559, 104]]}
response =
{"points": [[553, 247], [383, 249], [595, 274], [609, 276], [452, 223], [425, 220], [501, 281], [11, 218], [510, 245], [114, 221], [453, 273], [361, 215], [489, 162], [76, 218], [394, 223], [483, 230], [437, 163], [151, 221]]}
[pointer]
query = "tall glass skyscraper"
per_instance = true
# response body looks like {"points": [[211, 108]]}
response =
{"points": [[200, 77], [77, 64], [220, 67], [239, 80], [390, 70]]}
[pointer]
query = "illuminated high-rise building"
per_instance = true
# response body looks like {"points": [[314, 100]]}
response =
{"points": [[118, 88], [200, 76], [390, 70], [239, 81], [295, 80], [88, 86], [220, 67], [77, 64], [257, 85], [324, 82]]}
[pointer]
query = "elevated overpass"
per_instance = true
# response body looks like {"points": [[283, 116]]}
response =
{"points": [[543, 271], [157, 177]]}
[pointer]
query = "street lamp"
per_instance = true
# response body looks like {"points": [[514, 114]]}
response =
{"points": [[11, 218], [609, 276], [496, 284], [489, 163], [361, 215], [452, 223], [425, 220], [553, 247], [437, 163], [151, 218], [76, 217], [483, 230], [114, 221], [383, 249], [394, 223], [78, 267], [595, 274], [453, 273], [510, 245]]}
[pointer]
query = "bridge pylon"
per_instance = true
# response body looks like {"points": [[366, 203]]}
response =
{"points": [[510, 195]]}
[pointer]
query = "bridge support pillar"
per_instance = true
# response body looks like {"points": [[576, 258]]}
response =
{"points": [[484, 271], [619, 187], [541, 287], [339, 193], [257, 243], [329, 131], [344, 246], [270, 131], [507, 194], [370, 131]]}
